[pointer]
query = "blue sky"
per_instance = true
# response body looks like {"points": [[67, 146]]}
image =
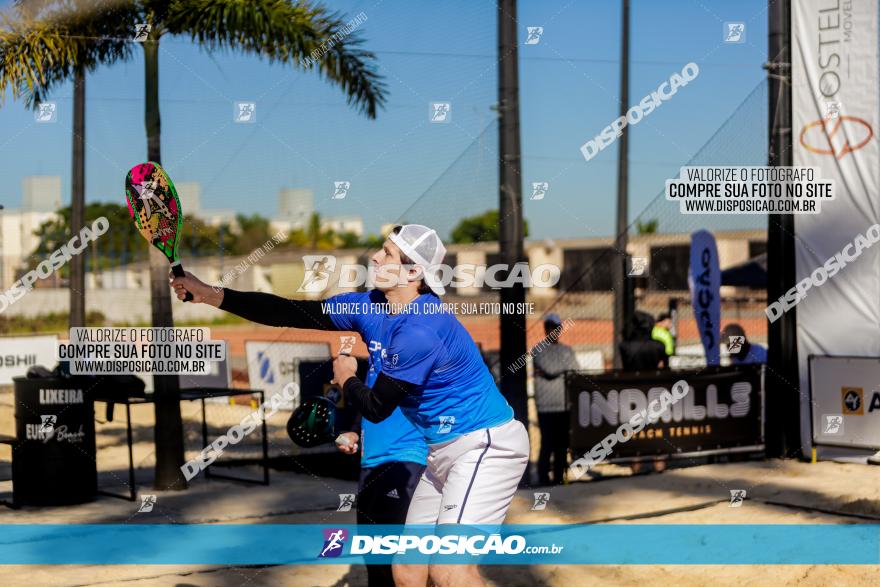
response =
{"points": [[306, 136]]}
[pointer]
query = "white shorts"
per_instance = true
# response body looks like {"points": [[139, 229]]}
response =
{"points": [[471, 479]]}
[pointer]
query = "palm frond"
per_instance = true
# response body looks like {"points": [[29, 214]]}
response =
{"points": [[42, 44], [287, 32]]}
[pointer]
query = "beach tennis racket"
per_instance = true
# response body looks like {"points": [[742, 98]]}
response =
{"points": [[313, 422], [155, 208]]}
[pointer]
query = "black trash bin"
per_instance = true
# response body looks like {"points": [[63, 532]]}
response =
{"points": [[54, 458]]}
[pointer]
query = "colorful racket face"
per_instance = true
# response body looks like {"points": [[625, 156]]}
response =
{"points": [[155, 207]]}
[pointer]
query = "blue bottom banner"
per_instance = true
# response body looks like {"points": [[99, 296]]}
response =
{"points": [[531, 544]]}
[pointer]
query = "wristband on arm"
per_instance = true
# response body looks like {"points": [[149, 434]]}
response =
{"points": [[378, 402], [272, 310]]}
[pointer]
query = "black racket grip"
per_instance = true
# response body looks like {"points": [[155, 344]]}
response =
{"points": [[177, 270]]}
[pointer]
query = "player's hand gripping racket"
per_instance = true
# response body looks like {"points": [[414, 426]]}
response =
{"points": [[155, 208]]}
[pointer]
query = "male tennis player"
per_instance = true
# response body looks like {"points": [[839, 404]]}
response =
{"points": [[393, 452], [431, 369]]}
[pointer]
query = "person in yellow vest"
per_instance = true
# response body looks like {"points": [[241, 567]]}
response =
{"points": [[661, 333]]}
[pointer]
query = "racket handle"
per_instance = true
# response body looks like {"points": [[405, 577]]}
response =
{"points": [[177, 270]]}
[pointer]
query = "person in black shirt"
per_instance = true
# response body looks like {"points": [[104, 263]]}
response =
{"points": [[638, 351]]}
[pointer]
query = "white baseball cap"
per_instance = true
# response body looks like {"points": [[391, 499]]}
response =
{"points": [[423, 246]]}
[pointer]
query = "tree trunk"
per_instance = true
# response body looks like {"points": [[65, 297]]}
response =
{"points": [[77, 285], [169, 426]]}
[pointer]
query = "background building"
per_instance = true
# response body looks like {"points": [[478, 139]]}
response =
{"points": [[295, 206], [41, 199], [41, 193], [190, 193], [340, 224]]}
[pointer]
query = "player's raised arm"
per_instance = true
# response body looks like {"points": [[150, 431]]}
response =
{"points": [[263, 308]]}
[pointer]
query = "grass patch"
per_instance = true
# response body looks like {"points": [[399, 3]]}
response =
{"points": [[52, 322]]}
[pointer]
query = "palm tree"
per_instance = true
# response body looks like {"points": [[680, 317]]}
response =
{"points": [[42, 43], [48, 42]]}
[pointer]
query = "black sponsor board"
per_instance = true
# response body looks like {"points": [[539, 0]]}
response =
{"points": [[723, 409]]}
